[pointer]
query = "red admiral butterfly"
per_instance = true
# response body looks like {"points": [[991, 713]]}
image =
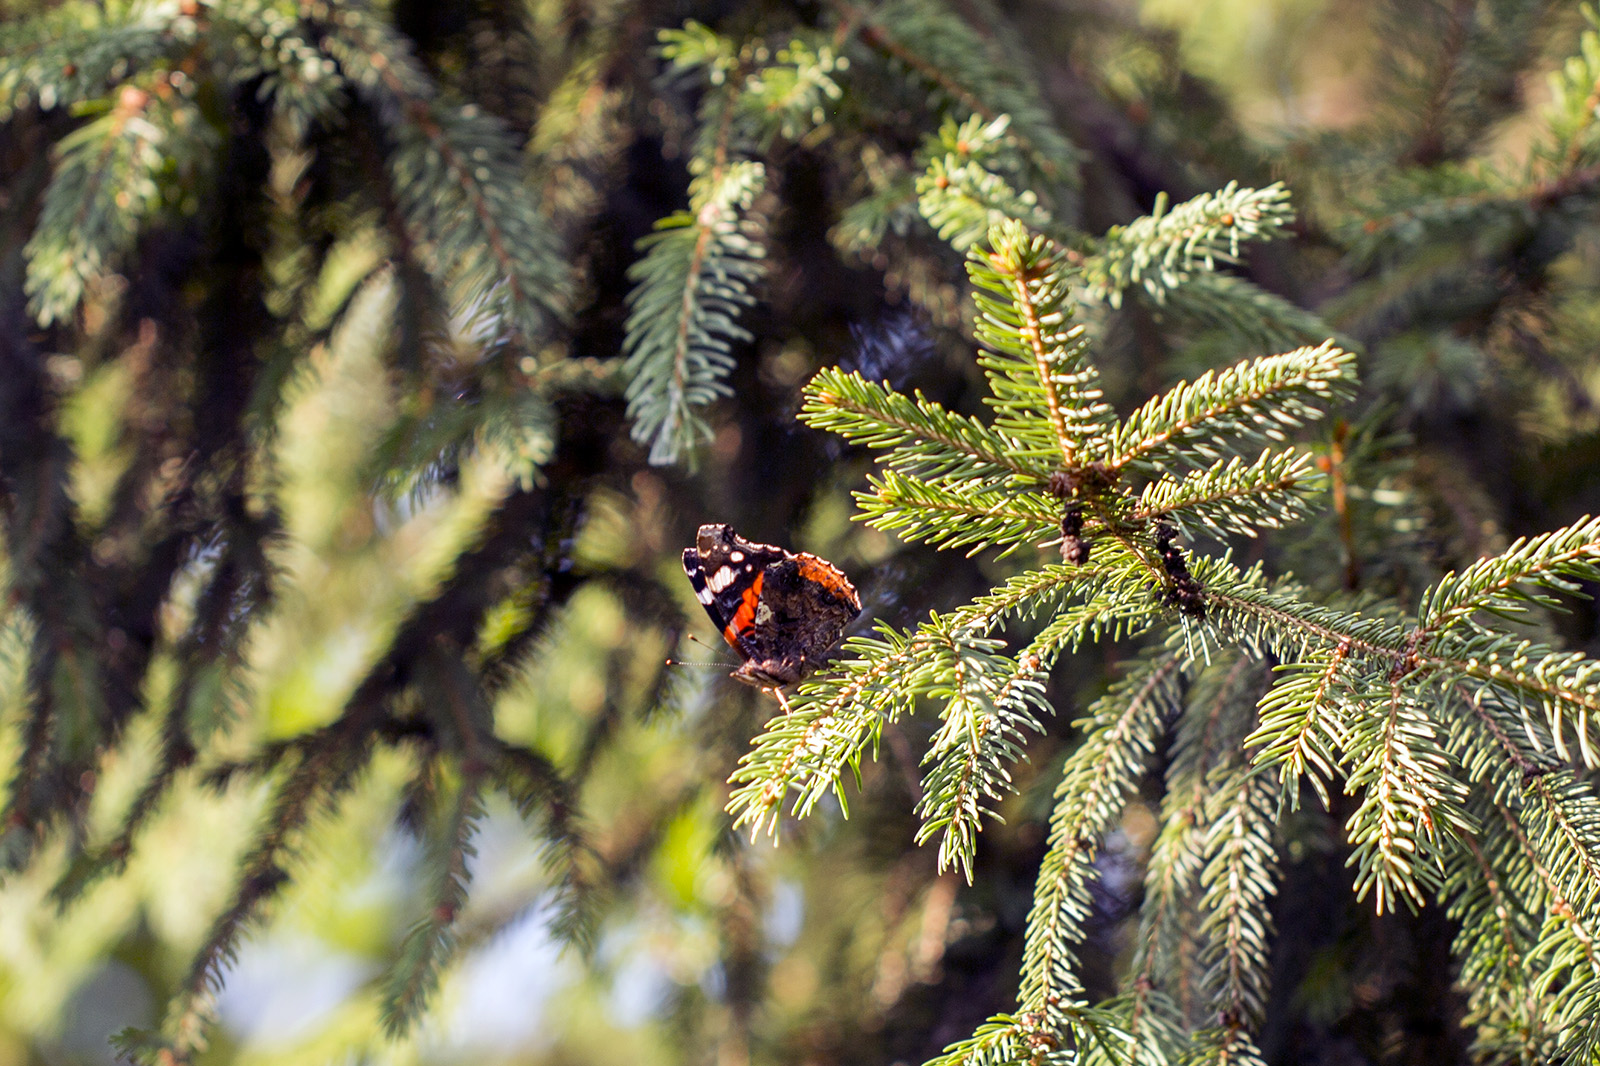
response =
{"points": [[781, 611]]}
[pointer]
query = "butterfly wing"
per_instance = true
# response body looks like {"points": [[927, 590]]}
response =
{"points": [[728, 574]]}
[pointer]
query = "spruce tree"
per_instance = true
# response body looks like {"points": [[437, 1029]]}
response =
{"points": [[353, 363]]}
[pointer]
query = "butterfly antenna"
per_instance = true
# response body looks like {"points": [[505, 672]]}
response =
{"points": [[687, 662]]}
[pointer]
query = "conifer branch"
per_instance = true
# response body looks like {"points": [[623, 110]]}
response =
{"points": [[1497, 931], [1575, 102], [1163, 250], [1483, 734], [1207, 745], [1244, 309], [1047, 591], [989, 702], [23, 653], [538, 788], [886, 210], [24, 811], [689, 288], [1556, 560], [926, 441], [327, 766], [916, 510], [208, 658], [177, 753], [824, 731], [1165, 940], [997, 1042], [793, 97], [1292, 628], [1035, 358], [698, 270], [961, 192], [1239, 877], [1236, 497], [1095, 1033], [1080, 602], [834, 718], [1441, 76], [1103, 614], [1566, 835], [1417, 212], [459, 184], [1525, 670], [1032, 306], [1554, 892], [1120, 731], [1409, 798], [1228, 1044], [64, 56], [1303, 724], [1251, 403], [256, 43], [829, 725], [1157, 1033], [432, 940], [936, 45], [111, 177]]}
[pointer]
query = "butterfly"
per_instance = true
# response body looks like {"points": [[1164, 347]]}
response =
{"points": [[780, 610]]}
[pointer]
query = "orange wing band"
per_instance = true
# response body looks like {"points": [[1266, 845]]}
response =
{"points": [[829, 577], [744, 619]]}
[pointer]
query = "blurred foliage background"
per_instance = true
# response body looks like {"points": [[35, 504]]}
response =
{"points": [[261, 473]]}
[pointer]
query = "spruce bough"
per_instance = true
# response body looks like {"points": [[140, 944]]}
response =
{"points": [[1462, 746]]}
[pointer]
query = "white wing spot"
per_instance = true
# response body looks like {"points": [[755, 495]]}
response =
{"points": [[720, 580], [704, 595], [737, 556]]}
